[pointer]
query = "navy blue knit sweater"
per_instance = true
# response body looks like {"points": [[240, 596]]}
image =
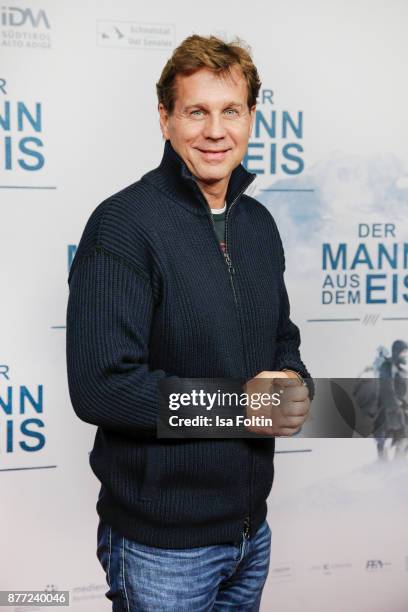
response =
{"points": [[152, 296]]}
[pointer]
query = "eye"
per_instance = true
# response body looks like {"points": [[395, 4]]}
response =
{"points": [[232, 111], [195, 111]]}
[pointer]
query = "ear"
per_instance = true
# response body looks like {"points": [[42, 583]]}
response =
{"points": [[164, 119], [252, 110]]}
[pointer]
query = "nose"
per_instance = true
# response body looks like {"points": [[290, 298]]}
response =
{"points": [[214, 127]]}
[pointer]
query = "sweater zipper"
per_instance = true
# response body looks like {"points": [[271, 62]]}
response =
{"points": [[246, 531], [247, 528]]}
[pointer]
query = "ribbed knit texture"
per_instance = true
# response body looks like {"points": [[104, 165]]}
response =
{"points": [[151, 297]]}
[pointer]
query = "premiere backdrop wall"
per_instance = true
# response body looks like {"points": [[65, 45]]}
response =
{"points": [[78, 122]]}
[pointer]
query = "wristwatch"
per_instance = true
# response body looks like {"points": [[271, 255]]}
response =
{"points": [[300, 377]]}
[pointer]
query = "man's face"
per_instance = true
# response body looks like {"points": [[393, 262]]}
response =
{"points": [[211, 123]]}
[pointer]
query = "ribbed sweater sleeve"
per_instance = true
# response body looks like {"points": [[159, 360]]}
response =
{"points": [[288, 336], [109, 314]]}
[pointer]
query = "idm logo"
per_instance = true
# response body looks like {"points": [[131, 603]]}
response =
{"points": [[15, 16]]}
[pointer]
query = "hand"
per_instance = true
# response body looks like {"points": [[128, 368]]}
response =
{"points": [[293, 409]]}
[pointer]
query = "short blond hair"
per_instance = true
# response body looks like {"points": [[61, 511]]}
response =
{"points": [[211, 52]]}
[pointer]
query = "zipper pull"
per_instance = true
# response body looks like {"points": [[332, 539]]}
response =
{"points": [[229, 263], [246, 531]]}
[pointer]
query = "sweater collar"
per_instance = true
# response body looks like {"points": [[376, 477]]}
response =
{"points": [[174, 178]]}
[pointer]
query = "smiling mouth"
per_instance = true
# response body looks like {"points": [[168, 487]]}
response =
{"points": [[213, 151], [211, 155]]}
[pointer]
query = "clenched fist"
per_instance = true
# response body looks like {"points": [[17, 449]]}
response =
{"points": [[292, 410]]}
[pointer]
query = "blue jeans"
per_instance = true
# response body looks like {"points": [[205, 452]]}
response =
{"points": [[202, 579]]}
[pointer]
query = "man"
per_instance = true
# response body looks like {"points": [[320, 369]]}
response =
{"points": [[154, 296]]}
